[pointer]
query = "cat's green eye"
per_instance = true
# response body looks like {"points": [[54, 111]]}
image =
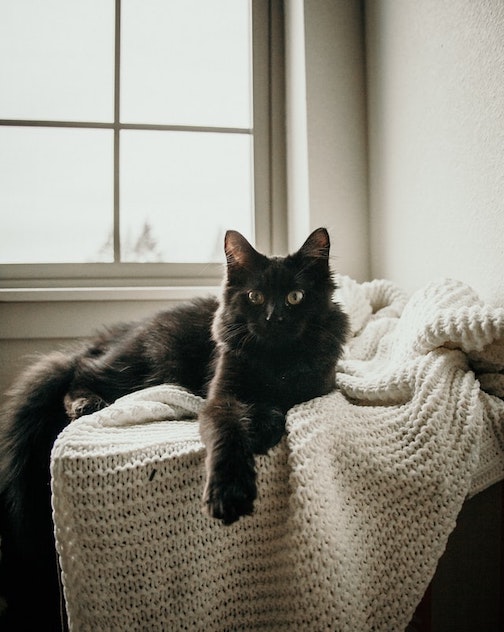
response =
{"points": [[256, 297], [295, 297]]}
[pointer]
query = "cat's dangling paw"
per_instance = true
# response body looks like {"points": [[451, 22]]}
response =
{"points": [[226, 497]]}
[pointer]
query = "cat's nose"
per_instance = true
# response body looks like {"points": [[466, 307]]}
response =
{"points": [[272, 316], [274, 319]]}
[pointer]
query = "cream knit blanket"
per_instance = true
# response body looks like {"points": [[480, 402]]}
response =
{"points": [[356, 503]]}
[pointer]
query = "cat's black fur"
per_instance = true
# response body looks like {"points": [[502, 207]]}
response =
{"points": [[271, 342]]}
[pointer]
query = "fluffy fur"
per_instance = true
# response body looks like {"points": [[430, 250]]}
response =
{"points": [[271, 342]]}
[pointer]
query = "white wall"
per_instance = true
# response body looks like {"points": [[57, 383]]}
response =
{"points": [[436, 135]]}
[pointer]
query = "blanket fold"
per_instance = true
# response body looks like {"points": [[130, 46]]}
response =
{"points": [[355, 504]]}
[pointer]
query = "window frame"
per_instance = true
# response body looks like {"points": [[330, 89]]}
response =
{"points": [[269, 177]]}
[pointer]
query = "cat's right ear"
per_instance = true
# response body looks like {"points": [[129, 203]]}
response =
{"points": [[240, 255]]}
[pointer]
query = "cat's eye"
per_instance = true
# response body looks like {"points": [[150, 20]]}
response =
{"points": [[256, 297], [295, 297]]}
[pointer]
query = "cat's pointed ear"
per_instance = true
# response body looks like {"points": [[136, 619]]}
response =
{"points": [[239, 253], [317, 245]]}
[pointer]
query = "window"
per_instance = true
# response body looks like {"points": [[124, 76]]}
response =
{"points": [[132, 134]]}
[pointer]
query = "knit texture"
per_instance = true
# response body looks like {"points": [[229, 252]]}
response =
{"points": [[355, 504]]}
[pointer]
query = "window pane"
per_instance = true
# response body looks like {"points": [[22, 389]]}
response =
{"points": [[186, 62], [57, 60], [180, 191], [56, 195]]}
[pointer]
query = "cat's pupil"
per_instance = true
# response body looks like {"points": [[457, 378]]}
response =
{"points": [[295, 297], [256, 297]]}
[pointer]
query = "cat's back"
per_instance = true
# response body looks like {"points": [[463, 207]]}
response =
{"points": [[191, 318]]}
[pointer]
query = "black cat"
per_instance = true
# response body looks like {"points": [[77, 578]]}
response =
{"points": [[271, 342]]}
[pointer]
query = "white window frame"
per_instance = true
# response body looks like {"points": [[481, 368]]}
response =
{"points": [[102, 281]]}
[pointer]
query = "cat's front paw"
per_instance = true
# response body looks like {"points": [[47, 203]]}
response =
{"points": [[226, 497]]}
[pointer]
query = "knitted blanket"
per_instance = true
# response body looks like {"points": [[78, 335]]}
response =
{"points": [[355, 504]]}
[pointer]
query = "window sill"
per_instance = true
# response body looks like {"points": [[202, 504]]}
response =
{"points": [[72, 294], [71, 313]]}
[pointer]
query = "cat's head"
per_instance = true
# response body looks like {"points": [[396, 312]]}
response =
{"points": [[273, 301]]}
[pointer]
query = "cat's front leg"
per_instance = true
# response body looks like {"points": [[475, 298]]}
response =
{"points": [[230, 488]]}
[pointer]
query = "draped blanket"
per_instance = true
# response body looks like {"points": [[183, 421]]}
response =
{"points": [[355, 504]]}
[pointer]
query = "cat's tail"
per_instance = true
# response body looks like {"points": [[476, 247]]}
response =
{"points": [[29, 424], [33, 417]]}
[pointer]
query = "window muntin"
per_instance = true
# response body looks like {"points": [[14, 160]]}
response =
{"points": [[124, 185]]}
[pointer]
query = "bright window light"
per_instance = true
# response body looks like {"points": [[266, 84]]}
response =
{"points": [[126, 130]]}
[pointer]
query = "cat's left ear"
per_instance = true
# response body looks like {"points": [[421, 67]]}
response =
{"points": [[239, 253], [317, 245]]}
